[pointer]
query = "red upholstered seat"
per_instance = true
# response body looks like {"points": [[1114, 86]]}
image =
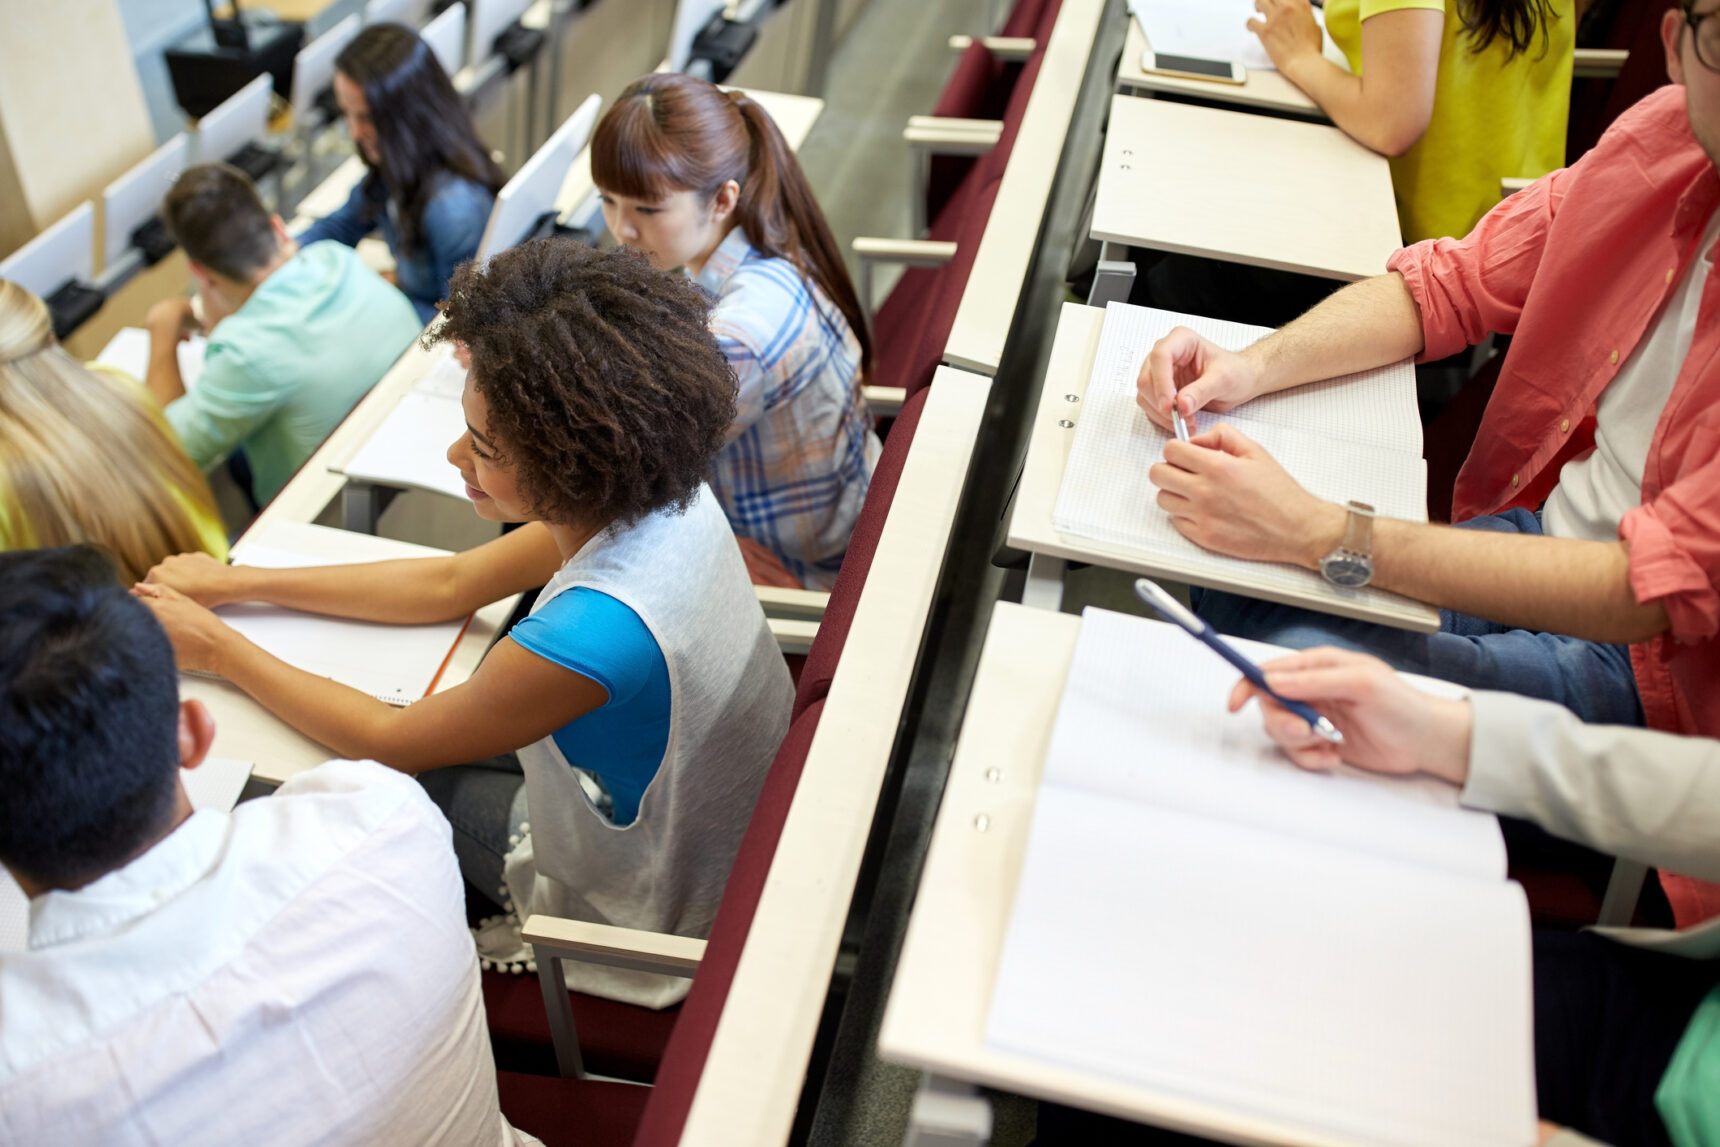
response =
{"points": [[821, 661], [615, 1039], [568, 1112], [684, 1059]]}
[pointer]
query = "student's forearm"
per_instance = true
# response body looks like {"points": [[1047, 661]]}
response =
{"points": [[1367, 324], [412, 591], [1551, 585], [163, 380], [1377, 124]]}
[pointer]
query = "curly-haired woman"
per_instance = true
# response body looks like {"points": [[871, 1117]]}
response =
{"points": [[644, 694]]}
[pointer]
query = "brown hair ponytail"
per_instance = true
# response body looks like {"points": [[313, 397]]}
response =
{"points": [[1517, 22], [670, 132]]}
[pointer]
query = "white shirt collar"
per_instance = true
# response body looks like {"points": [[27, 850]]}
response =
{"points": [[172, 865]]}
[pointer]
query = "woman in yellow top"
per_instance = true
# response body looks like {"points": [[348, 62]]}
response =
{"points": [[85, 455], [1460, 93]]}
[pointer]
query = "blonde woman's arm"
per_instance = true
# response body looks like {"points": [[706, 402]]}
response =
{"points": [[408, 592], [1388, 105]]}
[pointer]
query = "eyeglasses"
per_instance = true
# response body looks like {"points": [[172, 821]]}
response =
{"points": [[1705, 35]]}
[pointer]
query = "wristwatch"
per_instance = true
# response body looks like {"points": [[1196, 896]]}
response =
{"points": [[1351, 565]]}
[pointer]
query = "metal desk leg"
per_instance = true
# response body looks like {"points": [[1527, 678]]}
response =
{"points": [[360, 506], [1114, 276], [948, 1113], [1623, 888], [1044, 589]]}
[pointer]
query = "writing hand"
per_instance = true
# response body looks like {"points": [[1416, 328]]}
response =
{"points": [[1287, 31], [170, 320], [1225, 493], [199, 577], [1389, 726], [1194, 373]]}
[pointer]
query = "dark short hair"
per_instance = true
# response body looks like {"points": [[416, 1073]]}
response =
{"points": [[214, 212], [605, 387], [89, 717]]}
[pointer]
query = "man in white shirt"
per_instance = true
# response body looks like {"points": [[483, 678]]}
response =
{"points": [[298, 971]]}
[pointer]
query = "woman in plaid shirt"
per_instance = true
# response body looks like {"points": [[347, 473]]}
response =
{"points": [[700, 179]]}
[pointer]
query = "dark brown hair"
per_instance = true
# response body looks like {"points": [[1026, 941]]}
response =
{"points": [[671, 132], [422, 128], [1514, 21], [214, 213], [606, 390]]}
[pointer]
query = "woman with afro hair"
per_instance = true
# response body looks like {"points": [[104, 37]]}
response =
{"points": [[624, 727]]}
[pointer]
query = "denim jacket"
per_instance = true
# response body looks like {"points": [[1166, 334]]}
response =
{"points": [[453, 224]]}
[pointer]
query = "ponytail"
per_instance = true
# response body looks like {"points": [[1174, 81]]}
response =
{"points": [[1514, 21], [782, 219], [670, 132]]}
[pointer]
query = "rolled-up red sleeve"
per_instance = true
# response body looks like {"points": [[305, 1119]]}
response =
{"points": [[1469, 287], [1675, 552]]}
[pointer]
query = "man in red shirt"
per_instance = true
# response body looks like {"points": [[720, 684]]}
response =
{"points": [[1608, 598]]}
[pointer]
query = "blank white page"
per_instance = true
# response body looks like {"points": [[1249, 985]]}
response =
{"points": [[1365, 1001], [128, 352], [1353, 437], [393, 663], [216, 783], [410, 447], [1143, 719]]}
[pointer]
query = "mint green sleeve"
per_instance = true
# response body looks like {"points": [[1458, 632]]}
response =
{"points": [[229, 402]]}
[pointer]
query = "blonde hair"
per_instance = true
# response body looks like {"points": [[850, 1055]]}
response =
{"points": [[85, 457]]}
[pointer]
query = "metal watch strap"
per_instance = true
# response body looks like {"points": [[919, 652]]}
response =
{"points": [[1358, 529]]}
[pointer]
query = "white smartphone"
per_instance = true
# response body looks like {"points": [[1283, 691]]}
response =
{"points": [[1193, 67]]}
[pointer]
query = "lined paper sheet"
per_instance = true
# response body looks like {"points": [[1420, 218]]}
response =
{"points": [[1129, 730], [216, 783], [393, 663], [410, 446], [1337, 955], [1353, 437]]}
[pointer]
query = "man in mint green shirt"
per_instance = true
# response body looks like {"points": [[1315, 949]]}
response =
{"points": [[296, 336]]}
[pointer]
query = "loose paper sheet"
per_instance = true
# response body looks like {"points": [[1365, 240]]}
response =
{"points": [[1209, 29], [410, 447], [128, 351]]}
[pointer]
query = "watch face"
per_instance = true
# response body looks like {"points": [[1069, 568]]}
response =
{"points": [[1348, 570]]}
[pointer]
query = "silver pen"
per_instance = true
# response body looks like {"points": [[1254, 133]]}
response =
{"points": [[1178, 422]]}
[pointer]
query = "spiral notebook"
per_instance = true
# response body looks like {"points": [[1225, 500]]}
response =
{"points": [[1353, 437], [1339, 956], [216, 783], [398, 664]]}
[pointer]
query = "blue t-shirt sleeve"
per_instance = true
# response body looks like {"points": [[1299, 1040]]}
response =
{"points": [[453, 225], [348, 225], [596, 636]]}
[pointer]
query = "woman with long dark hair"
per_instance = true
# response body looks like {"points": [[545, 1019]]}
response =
{"points": [[431, 182], [1460, 93], [702, 180]]}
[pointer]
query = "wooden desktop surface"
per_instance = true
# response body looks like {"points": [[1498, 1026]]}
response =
{"points": [[1262, 89], [1244, 189], [939, 1003], [1030, 522]]}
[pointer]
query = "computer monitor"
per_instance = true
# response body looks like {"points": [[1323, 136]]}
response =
{"points": [[243, 118], [313, 67], [532, 192], [63, 253], [446, 36], [489, 18], [691, 16], [407, 12], [134, 198]]}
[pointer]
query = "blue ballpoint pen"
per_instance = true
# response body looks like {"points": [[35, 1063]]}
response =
{"points": [[1176, 613]]}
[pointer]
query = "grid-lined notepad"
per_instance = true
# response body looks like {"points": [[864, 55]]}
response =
{"points": [[1337, 956], [1355, 437]]}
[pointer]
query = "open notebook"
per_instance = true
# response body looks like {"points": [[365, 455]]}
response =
{"points": [[216, 783], [1354, 437], [128, 352], [1338, 955], [398, 664], [410, 446]]}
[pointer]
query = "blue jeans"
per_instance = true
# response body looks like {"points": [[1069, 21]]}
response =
{"points": [[486, 804], [1591, 679]]}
